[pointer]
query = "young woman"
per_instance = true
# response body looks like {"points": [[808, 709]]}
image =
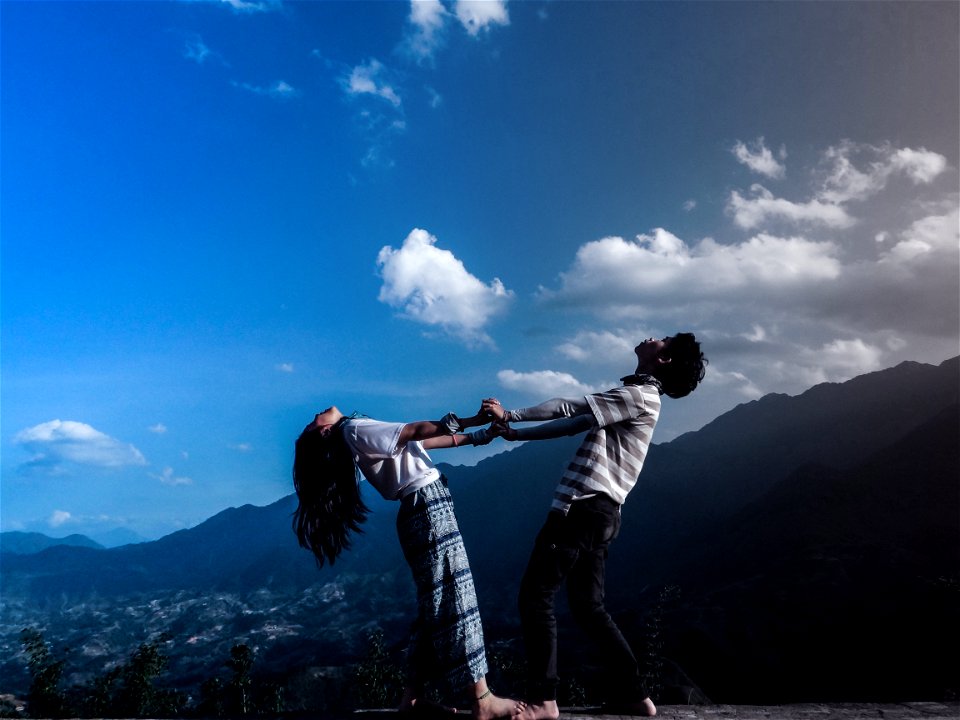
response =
{"points": [[447, 642]]}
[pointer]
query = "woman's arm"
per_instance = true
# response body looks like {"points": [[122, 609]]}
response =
{"points": [[436, 433]]}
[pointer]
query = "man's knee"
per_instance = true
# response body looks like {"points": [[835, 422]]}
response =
{"points": [[588, 611], [534, 599]]}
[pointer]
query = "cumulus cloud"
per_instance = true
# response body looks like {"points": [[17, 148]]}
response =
{"points": [[58, 442], [762, 206], [617, 274], [285, 367], [479, 15], [844, 359], [158, 429], [427, 19], [934, 234], [758, 158], [544, 383], [842, 181], [370, 79], [431, 286]]}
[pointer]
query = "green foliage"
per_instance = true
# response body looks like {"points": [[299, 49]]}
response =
{"points": [[240, 662], [129, 690], [45, 697], [379, 681]]}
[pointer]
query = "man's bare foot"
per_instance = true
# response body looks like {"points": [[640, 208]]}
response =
{"points": [[547, 710], [643, 708], [492, 706]]}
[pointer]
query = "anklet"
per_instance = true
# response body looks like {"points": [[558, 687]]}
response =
{"points": [[486, 694]]}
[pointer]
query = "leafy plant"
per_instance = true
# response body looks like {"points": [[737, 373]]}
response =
{"points": [[45, 697], [379, 681]]}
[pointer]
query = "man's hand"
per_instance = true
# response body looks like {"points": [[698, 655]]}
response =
{"points": [[491, 407], [502, 429]]}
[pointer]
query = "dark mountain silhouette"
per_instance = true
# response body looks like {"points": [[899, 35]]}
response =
{"points": [[813, 540], [24, 543]]}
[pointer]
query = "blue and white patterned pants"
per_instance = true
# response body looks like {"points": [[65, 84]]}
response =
{"points": [[447, 640]]}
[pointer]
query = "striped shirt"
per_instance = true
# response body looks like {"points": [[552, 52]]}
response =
{"points": [[611, 455]]}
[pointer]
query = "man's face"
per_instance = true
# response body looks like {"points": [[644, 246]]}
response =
{"points": [[652, 352]]}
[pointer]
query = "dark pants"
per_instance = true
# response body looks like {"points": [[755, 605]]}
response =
{"points": [[574, 547]]}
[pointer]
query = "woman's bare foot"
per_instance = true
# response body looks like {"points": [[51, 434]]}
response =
{"points": [[547, 710], [410, 703], [492, 706]]}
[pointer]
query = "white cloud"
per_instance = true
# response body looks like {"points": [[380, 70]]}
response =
{"points": [[57, 442], [751, 212], [934, 234], [280, 90], [195, 49], [587, 346], [368, 79], [757, 334], [544, 383], [168, 477], [158, 429], [285, 367], [843, 181], [436, 99], [479, 15], [737, 381], [58, 518], [431, 286], [758, 158], [840, 360], [251, 6], [617, 274], [427, 18], [689, 205], [242, 447]]}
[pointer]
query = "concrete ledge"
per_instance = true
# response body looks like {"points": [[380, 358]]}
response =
{"points": [[805, 711]]}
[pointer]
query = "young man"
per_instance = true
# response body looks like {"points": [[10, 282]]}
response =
{"points": [[585, 514]]}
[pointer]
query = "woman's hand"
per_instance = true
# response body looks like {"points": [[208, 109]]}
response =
{"points": [[492, 408]]}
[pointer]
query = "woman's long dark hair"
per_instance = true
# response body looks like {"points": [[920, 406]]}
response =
{"points": [[325, 478]]}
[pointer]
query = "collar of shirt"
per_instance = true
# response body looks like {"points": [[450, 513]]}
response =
{"points": [[642, 379]]}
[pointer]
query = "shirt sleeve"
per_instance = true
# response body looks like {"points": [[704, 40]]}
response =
{"points": [[557, 428], [617, 405], [374, 439], [551, 410]]}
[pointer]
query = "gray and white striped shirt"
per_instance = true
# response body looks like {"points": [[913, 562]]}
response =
{"points": [[620, 424]]}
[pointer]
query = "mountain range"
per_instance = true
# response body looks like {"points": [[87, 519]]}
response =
{"points": [[796, 548]]}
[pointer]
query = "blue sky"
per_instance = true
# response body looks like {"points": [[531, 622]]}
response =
{"points": [[221, 217]]}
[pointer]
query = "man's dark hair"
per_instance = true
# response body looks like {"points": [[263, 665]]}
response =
{"points": [[686, 368]]}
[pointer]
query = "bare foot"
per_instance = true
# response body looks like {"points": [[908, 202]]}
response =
{"points": [[547, 710], [424, 708], [643, 708], [492, 707]]}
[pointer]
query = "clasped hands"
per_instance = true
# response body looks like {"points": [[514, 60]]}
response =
{"points": [[500, 427]]}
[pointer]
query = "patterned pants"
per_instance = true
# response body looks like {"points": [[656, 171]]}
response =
{"points": [[447, 640]]}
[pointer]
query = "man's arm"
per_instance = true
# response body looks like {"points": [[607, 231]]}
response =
{"points": [[549, 410], [553, 429]]}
